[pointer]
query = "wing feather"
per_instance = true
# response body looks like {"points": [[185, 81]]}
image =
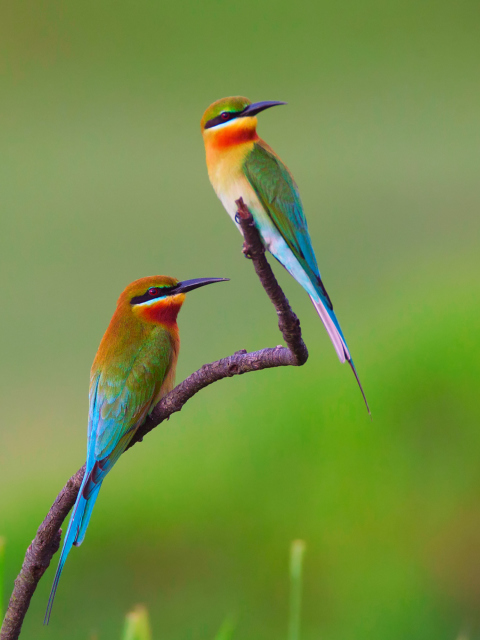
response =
{"points": [[279, 195], [121, 397]]}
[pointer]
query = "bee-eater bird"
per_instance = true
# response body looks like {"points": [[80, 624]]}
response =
{"points": [[242, 165], [133, 369]]}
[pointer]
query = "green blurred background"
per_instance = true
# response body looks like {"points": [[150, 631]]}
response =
{"points": [[103, 180]]}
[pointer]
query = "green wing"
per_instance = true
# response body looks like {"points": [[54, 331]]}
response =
{"points": [[121, 394], [278, 193]]}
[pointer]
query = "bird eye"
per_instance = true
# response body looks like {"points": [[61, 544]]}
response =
{"points": [[152, 291], [224, 115]]}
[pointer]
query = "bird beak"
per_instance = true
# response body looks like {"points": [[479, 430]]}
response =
{"points": [[256, 107], [189, 285]]}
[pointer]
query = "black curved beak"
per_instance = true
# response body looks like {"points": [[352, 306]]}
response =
{"points": [[189, 285], [256, 107]]}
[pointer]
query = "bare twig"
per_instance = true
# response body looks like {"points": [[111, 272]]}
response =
{"points": [[288, 323], [47, 539]]}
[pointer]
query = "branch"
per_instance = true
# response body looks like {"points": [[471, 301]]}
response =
{"points": [[38, 556], [47, 539], [240, 362]]}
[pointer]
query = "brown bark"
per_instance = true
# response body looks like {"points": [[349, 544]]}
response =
{"points": [[47, 539]]}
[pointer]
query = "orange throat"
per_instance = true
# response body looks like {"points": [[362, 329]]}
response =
{"points": [[236, 133], [164, 312]]}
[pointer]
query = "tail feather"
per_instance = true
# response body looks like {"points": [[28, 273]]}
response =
{"points": [[87, 514], [330, 322], [350, 362], [56, 580], [332, 326], [77, 526], [82, 510]]}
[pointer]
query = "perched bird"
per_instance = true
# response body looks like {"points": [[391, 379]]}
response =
{"points": [[133, 369], [242, 165]]}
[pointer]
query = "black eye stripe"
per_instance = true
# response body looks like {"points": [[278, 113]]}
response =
{"points": [[221, 118], [160, 292]]}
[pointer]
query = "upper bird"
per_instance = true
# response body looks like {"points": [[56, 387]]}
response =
{"points": [[242, 165], [133, 369]]}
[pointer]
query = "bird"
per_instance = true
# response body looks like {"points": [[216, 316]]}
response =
{"points": [[242, 165], [133, 369]]}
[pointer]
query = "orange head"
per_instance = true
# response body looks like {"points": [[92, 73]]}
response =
{"points": [[232, 121], [158, 299]]}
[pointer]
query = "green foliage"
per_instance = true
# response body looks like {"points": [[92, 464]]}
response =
{"points": [[297, 551], [137, 625], [105, 181], [226, 630]]}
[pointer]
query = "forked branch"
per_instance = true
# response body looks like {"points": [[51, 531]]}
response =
{"points": [[47, 539]]}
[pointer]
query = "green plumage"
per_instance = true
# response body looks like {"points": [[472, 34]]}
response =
{"points": [[124, 388], [278, 193]]}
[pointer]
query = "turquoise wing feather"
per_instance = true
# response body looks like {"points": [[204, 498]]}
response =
{"points": [[121, 396], [279, 195]]}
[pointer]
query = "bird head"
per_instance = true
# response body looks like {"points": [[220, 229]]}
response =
{"points": [[234, 118], [158, 299]]}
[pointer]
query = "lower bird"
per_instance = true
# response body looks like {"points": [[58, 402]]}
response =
{"points": [[242, 165], [133, 369]]}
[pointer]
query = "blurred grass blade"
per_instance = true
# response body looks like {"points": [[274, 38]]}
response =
{"points": [[137, 625], [297, 551], [2, 574], [226, 630]]}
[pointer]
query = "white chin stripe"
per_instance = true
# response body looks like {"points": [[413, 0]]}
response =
{"points": [[223, 125], [149, 303], [229, 123]]}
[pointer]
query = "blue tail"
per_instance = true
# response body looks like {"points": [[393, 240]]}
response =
{"points": [[308, 276], [313, 285], [77, 527], [324, 309]]}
